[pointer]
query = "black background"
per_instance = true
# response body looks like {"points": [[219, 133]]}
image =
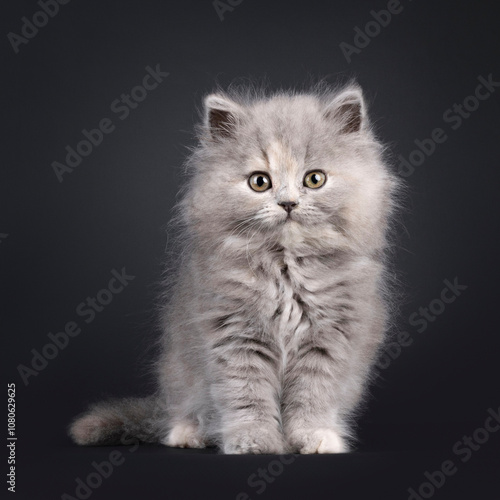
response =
{"points": [[111, 212]]}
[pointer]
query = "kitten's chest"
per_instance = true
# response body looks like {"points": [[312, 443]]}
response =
{"points": [[289, 286]]}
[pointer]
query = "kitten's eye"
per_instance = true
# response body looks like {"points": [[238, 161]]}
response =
{"points": [[259, 181], [314, 179]]}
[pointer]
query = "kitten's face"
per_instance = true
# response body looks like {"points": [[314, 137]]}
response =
{"points": [[282, 186], [289, 165]]}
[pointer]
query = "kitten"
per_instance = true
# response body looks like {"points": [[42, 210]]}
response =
{"points": [[279, 306]]}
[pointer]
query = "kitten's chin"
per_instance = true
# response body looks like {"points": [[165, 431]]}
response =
{"points": [[291, 222], [291, 233]]}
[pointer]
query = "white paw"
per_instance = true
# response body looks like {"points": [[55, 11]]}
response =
{"points": [[318, 441], [184, 436], [253, 441]]}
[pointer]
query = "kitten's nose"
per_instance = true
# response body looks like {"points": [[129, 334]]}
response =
{"points": [[288, 205]]}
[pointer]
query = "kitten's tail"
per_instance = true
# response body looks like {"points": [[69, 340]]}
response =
{"points": [[116, 421]]}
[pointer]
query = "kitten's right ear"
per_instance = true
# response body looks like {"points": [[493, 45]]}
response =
{"points": [[348, 110], [222, 116]]}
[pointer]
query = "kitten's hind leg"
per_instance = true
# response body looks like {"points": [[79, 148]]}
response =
{"points": [[185, 435]]}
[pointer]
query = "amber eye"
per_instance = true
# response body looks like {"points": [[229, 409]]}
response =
{"points": [[259, 181], [314, 179]]}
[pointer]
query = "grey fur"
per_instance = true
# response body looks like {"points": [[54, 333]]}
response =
{"points": [[272, 325]]}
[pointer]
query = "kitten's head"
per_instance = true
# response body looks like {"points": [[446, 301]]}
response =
{"points": [[300, 168]]}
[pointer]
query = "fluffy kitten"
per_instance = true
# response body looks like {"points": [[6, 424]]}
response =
{"points": [[279, 307]]}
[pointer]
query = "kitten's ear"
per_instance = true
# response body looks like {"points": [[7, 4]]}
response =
{"points": [[222, 115], [348, 110]]}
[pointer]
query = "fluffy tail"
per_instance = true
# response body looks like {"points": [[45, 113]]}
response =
{"points": [[116, 421]]}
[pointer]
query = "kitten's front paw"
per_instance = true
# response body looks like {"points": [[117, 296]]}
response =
{"points": [[308, 441], [254, 440]]}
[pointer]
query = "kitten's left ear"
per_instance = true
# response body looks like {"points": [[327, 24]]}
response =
{"points": [[348, 110], [222, 115]]}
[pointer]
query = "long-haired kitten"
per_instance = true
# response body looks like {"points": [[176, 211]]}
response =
{"points": [[278, 306]]}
